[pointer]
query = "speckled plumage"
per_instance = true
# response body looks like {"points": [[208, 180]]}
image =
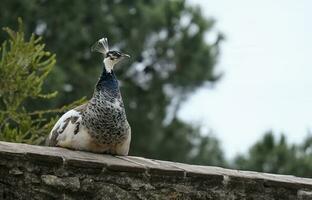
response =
{"points": [[105, 115], [101, 124]]}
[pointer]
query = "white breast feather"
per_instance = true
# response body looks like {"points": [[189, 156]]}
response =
{"points": [[67, 138], [61, 122]]}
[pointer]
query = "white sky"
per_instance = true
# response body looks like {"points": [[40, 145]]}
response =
{"points": [[267, 65]]}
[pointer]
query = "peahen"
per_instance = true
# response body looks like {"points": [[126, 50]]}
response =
{"points": [[100, 125]]}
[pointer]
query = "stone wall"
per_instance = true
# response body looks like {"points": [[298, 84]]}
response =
{"points": [[34, 172]]}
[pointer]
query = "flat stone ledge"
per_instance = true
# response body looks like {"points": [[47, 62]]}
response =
{"points": [[70, 172]]}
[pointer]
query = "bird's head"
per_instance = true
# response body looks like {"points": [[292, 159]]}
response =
{"points": [[111, 58]]}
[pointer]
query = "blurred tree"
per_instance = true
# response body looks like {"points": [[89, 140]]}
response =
{"points": [[170, 59], [24, 65], [276, 156], [184, 143]]}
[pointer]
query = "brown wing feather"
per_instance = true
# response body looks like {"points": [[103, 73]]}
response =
{"points": [[81, 108]]}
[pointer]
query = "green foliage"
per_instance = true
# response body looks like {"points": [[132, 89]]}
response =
{"points": [[24, 66], [184, 143], [277, 156], [170, 59]]}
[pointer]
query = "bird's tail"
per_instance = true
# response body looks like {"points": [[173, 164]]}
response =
{"points": [[101, 46]]}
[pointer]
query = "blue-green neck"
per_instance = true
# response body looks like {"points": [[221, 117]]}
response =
{"points": [[108, 82]]}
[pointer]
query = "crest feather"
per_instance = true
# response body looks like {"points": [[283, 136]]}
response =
{"points": [[100, 46]]}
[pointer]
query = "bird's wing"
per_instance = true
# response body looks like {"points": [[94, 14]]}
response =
{"points": [[101, 46], [67, 124]]}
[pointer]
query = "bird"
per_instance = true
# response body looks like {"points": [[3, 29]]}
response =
{"points": [[99, 125]]}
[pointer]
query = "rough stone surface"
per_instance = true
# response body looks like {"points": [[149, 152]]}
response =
{"points": [[35, 172]]}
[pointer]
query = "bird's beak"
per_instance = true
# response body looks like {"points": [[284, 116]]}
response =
{"points": [[125, 55]]}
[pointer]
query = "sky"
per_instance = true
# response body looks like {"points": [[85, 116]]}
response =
{"points": [[267, 64]]}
